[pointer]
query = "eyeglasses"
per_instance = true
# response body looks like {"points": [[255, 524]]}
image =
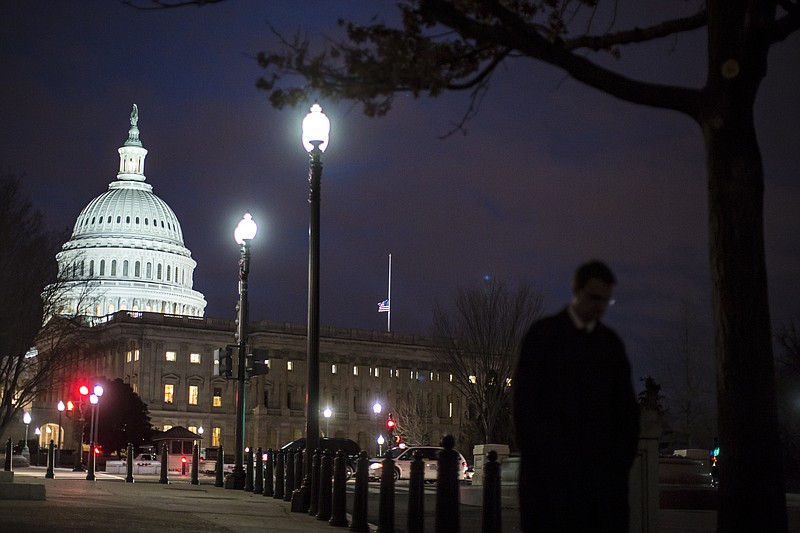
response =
{"points": [[596, 298]]}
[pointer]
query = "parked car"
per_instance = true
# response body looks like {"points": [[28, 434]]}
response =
{"points": [[402, 463], [351, 450]]}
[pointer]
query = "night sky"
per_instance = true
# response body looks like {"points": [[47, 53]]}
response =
{"points": [[549, 174]]}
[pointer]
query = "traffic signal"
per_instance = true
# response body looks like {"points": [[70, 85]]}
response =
{"points": [[223, 362], [258, 362], [390, 424], [70, 408], [83, 390]]}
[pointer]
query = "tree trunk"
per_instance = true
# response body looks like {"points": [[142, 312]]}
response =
{"points": [[752, 494]]}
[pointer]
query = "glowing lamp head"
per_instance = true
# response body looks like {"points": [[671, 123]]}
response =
{"points": [[61, 406], [98, 390], [316, 129], [377, 408], [26, 417], [84, 390], [381, 439], [245, 230], [93, 399]]}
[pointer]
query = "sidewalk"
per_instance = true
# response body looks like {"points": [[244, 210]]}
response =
{"points": [[75, 505]]}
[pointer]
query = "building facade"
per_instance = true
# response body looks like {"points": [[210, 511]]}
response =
{"points": [[150, 331]]}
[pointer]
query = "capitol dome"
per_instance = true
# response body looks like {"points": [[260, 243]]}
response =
{"points": [[126, 249]]}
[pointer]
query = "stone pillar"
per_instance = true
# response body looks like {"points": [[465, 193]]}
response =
{"points": [[479, 452]]}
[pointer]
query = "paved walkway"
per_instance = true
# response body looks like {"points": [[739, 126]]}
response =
{"points": [[76, 505]]}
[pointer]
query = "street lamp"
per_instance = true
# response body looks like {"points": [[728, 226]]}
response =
{"points": [[377, 408], [315, 135], [60, 408], [27, 419], [98, 391], [380, 445], [244, 233], [38, 433], [327, 414]]}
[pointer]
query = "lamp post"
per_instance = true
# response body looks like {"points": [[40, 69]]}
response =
{"points": [[38, 433], [60, 408], [244, 233], [327, 414], [26, 418], [380, 445], [377, 408], [315, 135], [98, 391]]}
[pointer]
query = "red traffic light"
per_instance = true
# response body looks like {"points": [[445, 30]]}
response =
{"points": [[183, 459], [390, 424]]}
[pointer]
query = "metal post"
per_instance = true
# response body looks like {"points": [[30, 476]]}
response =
{"points": [[291, 457], [304, 494], [339, 503], [50, 458], [492, 516], [279, 466], [447, 487], [90, 462], [325, 474], [239, 474], [313, 508], [195, 465], [129, 464], [248, 471], [79, 455], [219, 481], [360, 494], [164, 465], [269, 473], [386, 502], [258, 485], [58, 444], [416, 495]]}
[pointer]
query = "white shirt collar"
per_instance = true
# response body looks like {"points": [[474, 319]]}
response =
{"points": [[580, 324]]}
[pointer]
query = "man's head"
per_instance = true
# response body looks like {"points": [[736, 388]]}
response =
{"points": [[592, 288]]}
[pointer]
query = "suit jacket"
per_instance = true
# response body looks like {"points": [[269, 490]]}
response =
{"points": [[577, 427]]}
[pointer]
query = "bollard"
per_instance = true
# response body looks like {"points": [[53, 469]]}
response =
{"points": [[248, 471], [51, 455], [279, 475], [447, 487], [129, 464], [339, 503], [164, 466], [313, 508], [299, 470], [90, 458], [325, 487], [268, 473], [360, 493], [258, 484], [9, 452], [195, 465], [219, 480], [492, 517], [416, 495], [386, 501], [289, 477]]}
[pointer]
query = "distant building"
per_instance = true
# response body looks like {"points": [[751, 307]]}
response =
{"points": [[142, 303]]}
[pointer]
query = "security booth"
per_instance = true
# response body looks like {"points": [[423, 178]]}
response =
{"points": [[180, 443]]}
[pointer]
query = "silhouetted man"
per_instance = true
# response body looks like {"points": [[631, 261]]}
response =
{"points": [[576, 416]]}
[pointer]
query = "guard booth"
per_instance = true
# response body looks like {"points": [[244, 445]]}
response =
{"points": [[180, 442]]}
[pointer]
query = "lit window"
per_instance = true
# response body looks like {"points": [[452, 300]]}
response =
{"points": [[216, 400], [472, 379], [135, 387], [508, 382], [450, 409], [169, 393], [355, 370], [333, 369], [289, 366], [193, 429], [194, 393], [129, 357], [167, 427], [451, 378], [194, 358], [410, 374], [136, 355], [377, 372], [215, 436], [171, 356]]}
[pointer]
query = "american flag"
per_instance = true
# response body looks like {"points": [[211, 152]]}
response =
{"points": [[383, 307]]}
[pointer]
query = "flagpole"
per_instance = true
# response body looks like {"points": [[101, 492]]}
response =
{"points": [[389, 313]]}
